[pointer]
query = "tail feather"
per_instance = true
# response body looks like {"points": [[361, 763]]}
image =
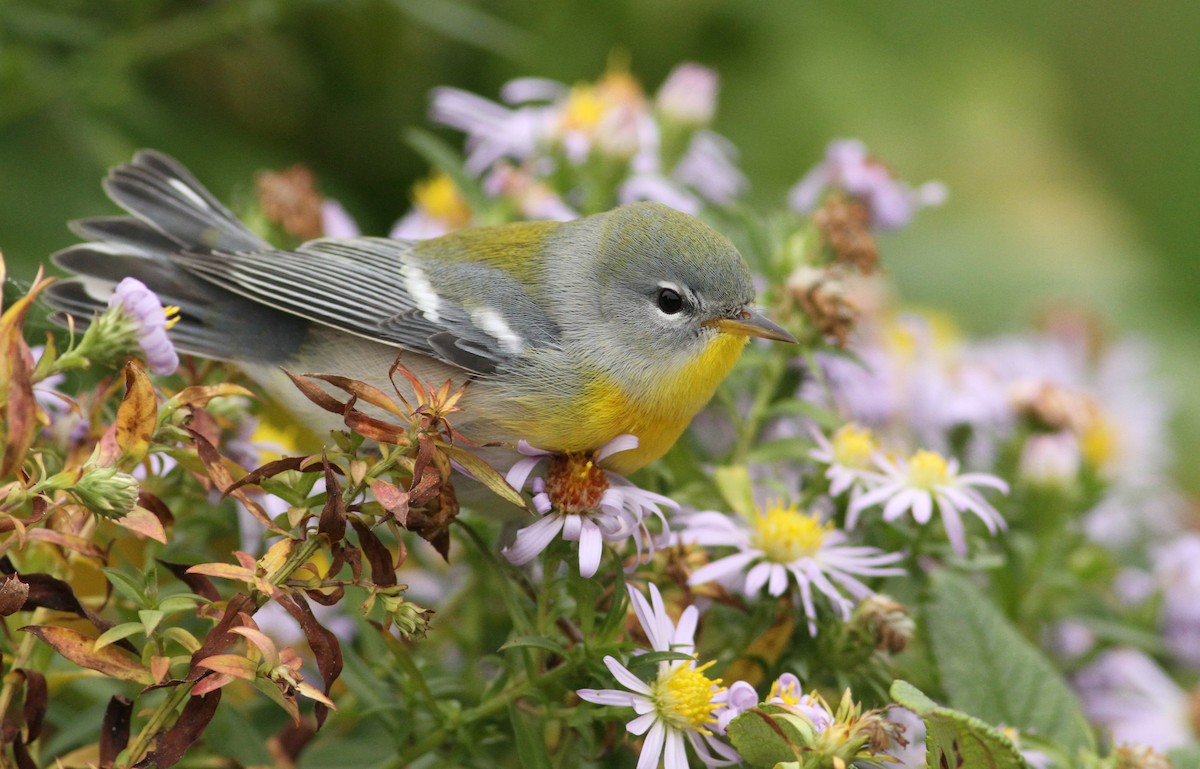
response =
{"points": [[172, 213]]}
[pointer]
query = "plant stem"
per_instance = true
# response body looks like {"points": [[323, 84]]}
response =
{"points": [[773, 370], [157, 722]]}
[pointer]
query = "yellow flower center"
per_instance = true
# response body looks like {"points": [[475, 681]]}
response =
{"points": [[684, 698], [853, 446], [927, 469], [172, 314], [439, 197], [1098, 443], [583, 109], [789, 693], [785, 534]]}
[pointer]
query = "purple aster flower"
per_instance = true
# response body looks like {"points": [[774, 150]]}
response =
{"points": [[1127, 694], [849, 168], [151, 321], [689, 95]]}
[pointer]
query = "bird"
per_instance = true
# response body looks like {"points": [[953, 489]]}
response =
{"points": [[566, 334]]}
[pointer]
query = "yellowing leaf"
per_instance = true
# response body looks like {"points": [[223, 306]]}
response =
{"points": [[137, 418], [110, 660]]}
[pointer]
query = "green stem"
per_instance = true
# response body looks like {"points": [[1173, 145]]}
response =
{"points": [[772, 372], [157, 722], [490, 706], [20, 659]]}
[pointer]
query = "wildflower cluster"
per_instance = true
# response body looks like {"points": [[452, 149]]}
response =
{"points": [[888, 501]]}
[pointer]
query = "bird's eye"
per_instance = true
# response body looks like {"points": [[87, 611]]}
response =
{"points": [[669, 301]]}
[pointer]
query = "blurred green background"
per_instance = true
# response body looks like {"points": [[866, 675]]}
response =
{"points": [[1068, 133]]}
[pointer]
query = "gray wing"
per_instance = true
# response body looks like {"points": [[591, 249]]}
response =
{"points": [[462, 313]]}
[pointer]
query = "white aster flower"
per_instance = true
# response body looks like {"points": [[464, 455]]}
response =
{"points": [[584, 503], [679, 706], [847, 456], [922, 480], [781, 544]]}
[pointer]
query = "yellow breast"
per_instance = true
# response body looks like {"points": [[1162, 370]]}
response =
{"points": [[656, 411]]}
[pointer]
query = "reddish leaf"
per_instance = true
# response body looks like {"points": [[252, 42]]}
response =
{"points": [[137, 417], [114, 730], [142, 521], [75, 646], [323, 643], [224, 571], [212, 682], [393, 498], [219, 638], [383, 569], [197, 583], [231, 665], [333, 516], [13, 594], [81, 545], [174, 742], [160, 667]]}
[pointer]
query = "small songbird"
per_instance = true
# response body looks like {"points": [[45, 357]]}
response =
{"points": [[569, 333]]}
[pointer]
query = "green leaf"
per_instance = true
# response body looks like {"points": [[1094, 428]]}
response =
{"points": [[150, 619], [182, 637], [990, 671], [116, 633], [127, 586], [782, 449], [531, 746], [768, 735], [734, 484], [956, 739], [181, 602]]}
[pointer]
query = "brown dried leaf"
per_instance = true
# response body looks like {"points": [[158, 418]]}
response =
{"points": [[323, 643], [137, 417], [271, 469], [192, 722], [315, 394], [362, 391], [37, 699], [13, 594], [333, 516], [383, 569], [156, 506], [114, 730], [21, 756], [78, 648], [142, 521], [376, 429], [214, 465], [198, 396]]}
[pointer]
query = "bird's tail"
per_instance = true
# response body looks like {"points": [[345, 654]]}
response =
{"points": [[171, 213]]}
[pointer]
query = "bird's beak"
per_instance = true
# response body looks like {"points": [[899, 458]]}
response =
{"points": [[747, 322]]}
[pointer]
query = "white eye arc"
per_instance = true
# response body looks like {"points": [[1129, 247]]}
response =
{"points": [[668, 298]]}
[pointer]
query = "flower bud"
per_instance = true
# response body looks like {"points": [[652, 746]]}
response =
{"points": [[688, 96], [1050, 459], [887, 621], [106, 491]]}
